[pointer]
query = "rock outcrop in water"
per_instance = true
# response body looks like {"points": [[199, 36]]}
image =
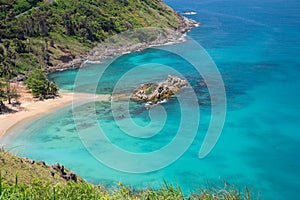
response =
{"points": [[156, 92]]}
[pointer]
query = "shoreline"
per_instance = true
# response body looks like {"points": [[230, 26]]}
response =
{"points": [[36, 109], [32, 109], [108, 50]]}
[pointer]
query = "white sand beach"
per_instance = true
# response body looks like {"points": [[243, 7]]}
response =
{"points": [[30, 108]]}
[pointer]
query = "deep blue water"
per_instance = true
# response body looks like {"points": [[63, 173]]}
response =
{"points": [[255, 45]]}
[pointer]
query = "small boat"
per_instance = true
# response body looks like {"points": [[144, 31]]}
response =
{"points": [[190, 13]]}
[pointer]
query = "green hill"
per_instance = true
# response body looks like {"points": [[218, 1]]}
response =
{"points": [[45, 33]]}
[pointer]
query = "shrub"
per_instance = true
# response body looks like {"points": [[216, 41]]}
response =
{"points": [[39, 85]]}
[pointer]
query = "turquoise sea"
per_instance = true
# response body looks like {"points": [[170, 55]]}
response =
{"points": [[255, 45]]}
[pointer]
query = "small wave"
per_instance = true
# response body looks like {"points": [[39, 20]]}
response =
{"points": [[150, 104]]}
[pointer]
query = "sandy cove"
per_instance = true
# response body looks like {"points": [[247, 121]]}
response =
{"points": [[33, 109]]}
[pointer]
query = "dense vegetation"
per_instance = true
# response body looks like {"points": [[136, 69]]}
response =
{"points": [[40, 86], [24, 179], [40, 34]]}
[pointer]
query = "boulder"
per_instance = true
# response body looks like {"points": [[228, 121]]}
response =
{"points": [[61, 169], [156, 92], [70, 177]]}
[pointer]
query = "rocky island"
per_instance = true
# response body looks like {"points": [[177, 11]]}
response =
{"points": [[156, 92]]}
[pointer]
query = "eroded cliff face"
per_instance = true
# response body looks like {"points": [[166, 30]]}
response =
{"points": [[156, 92]]}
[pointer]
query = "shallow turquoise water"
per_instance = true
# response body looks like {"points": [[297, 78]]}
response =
{"points": [[255, 45]]}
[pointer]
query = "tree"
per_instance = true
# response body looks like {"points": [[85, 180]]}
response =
{"points": [[12, 94], [52, 88], [2, 95], [39, 85], [36, 82], [7, 73]]}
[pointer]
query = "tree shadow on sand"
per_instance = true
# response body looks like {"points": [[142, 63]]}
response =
{"points": [[13, 108]]}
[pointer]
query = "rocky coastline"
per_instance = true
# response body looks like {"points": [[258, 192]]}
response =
{"points": [[158, 92], [119, 44]]}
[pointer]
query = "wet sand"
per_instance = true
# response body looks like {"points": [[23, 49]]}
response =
{"points": [[33, 109]]}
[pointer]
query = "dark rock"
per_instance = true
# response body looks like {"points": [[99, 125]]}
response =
{"points": [[52, 174], [19, 78], [41, 163], [63, 174], [29, 161], [62, 170], [56, 166], [66, 59], [70, 177]]}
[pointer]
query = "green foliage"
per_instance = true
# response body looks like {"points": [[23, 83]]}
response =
{"points": [[6, 73], [85, 191], [39, 85], [42, 33], [71, 26], [23, 180], [2, 95], [150, 89], [20, 6]]}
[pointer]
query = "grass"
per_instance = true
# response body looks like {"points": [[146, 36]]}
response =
{"points": [[150, 89], [73, 191], [22, 179], [28, 173]]}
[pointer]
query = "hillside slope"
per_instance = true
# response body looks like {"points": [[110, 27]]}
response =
{"points": [[46, 33], [27, 172], [27, 179]]}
